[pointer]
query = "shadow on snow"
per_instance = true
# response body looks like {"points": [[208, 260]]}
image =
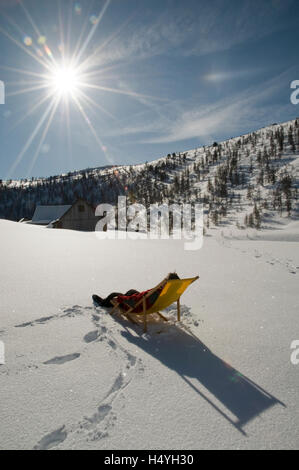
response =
{"points": [[198, 366]]}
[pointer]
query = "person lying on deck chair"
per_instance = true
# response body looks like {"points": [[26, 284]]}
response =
{"points": [[132, 294]]}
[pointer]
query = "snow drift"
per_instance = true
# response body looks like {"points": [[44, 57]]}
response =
{"points": [[76, 378]]}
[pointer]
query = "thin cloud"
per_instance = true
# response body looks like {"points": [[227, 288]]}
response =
{"points": [[243, 110], [204, 28]]}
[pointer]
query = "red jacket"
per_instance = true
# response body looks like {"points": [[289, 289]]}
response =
{"points": [[128, 301]]}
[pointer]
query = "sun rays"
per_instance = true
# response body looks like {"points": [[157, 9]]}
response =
{"points": [[64, 74]]}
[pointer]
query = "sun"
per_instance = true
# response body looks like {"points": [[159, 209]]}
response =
{"points": [[64, 80], [69, 80]]}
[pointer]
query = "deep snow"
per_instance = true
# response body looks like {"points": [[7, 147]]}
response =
{"points": [[75, 377]]}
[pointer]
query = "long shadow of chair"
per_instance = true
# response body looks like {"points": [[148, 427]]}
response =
{"points": [[185, 354]]}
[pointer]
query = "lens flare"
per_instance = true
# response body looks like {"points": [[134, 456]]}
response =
{"points": [[48, 50], [78, 9], [93, 19], [42, 40], [27, 41]]}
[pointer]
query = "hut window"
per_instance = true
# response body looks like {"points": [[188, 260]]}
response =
{"points": [[81, 208]]}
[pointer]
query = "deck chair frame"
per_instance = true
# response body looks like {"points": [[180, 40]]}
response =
{"points": [[126, 313]]}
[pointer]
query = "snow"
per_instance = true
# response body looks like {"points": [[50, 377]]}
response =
{"points": [[77, 378]]}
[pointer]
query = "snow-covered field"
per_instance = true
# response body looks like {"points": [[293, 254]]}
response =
{"points": [[75, 377]]}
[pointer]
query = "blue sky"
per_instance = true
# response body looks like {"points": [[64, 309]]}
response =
{"points": [[155, 77]]}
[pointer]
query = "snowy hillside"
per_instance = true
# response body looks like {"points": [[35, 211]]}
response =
{"points": [[75, 377], [245, 182]]}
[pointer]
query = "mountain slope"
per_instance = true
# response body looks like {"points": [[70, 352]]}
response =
{"points": [[238, 181]]}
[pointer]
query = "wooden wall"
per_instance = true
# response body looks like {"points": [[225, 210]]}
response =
{"points": [[81, 216]]}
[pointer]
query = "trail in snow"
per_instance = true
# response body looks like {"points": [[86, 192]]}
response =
{"points": [[98, 425]]}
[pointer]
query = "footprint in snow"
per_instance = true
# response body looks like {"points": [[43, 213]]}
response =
{"points": [[38, 321], [101, 414], [62, 359], [91, 336], [51, 440]]}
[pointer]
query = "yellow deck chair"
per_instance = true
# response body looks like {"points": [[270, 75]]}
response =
{"points": [[172, 289]]}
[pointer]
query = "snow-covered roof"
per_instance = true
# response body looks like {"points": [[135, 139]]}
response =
{"points": [[46, 214]]}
